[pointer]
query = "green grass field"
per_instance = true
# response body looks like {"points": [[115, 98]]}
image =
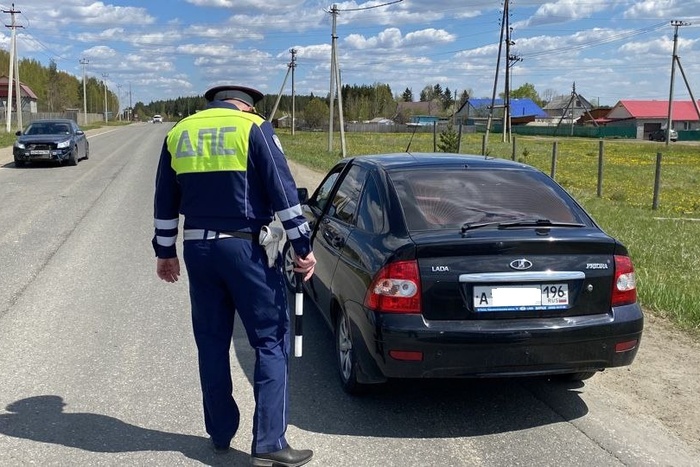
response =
{"points": [[664, 243]]}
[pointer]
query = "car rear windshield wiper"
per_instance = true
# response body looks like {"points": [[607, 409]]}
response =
{"points": [[477, 225], [538, 223]]}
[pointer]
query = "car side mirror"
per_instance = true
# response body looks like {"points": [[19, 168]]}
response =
{"points": [[18, 133], [79, 132], [303, 194]]}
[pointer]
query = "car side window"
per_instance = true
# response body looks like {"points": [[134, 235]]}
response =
{"points": [[348, 195], [370, 214], [324, 191]]}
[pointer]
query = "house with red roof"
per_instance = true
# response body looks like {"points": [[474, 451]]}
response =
{"points": [[649, 116], [27, 96]]}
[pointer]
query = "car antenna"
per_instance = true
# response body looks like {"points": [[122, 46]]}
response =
{"points": [[415, 127]]}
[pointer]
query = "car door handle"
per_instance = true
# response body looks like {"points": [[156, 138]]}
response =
{"points": [[338, 242]]}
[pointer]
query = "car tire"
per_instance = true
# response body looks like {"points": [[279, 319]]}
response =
{"points": [[290, 279], [87, 151], [73, 158], [19, 163], [346, 357]]}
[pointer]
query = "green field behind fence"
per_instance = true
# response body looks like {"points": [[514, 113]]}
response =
{"points": [[664, 242]]}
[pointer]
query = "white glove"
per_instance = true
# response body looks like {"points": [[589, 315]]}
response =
{"points": [[270, 238]]}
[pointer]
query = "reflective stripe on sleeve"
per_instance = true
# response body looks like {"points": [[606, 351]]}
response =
{"points": [[298, 232], [166, 241], [165, 224], [289, 213]]}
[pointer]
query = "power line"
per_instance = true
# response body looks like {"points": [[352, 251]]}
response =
{"points": [[372, 7]]}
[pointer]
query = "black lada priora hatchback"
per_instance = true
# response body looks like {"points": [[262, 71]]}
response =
{"points": [[439, 265]]}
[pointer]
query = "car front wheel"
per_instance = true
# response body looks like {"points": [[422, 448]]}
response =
{"points": [[73, 158]]}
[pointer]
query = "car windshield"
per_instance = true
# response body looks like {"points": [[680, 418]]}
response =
{"points": [[434, 199], [48, 129]]}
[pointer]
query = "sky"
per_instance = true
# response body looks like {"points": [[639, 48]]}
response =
{"points": [[164, 49]]}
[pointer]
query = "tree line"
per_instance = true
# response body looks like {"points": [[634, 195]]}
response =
{"points": [[58, 91]]}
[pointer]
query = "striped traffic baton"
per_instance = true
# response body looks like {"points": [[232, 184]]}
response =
{"points": [[298, 313]]}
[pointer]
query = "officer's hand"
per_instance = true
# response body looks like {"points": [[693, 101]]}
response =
{"points": [[168, 269], [306, 265]]}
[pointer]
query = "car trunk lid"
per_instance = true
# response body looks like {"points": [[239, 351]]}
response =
{"points": [[515, 274]]}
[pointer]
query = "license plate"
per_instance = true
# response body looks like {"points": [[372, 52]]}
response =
{"points": [[530, 297], [40, 152]]}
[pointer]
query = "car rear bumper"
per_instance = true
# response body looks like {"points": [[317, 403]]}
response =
{"points": [[498, 348]]}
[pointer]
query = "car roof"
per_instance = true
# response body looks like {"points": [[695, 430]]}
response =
{"points": [[52, 120], [399, 161]]}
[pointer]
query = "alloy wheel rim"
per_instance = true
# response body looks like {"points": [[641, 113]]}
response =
{"points": [[344, 349]]}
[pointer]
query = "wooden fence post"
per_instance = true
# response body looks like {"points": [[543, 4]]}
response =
{"points": [[555, 150], [601, 154], [483, 145], [434, 136], [514, 148], [657, 182], [459, 140]]}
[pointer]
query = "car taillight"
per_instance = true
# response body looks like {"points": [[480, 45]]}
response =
{"points": [[624, 289], [395, 289]]}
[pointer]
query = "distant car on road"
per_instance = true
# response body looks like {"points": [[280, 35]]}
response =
{"points": [[157, 119], [660, 135], [447, 265], [59, 140]]}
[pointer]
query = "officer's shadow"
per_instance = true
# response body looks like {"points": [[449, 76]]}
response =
{"points": [[41, 418]]}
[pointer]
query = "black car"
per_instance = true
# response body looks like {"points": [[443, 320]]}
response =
{"points": [[445, 265], [660, 135], [59, 140]]}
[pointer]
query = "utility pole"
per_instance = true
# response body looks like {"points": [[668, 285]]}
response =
{"points": [[676, 60], [511, 60], [14, 73], [293, 65], [83, 62], [336, 88], [104, 82], [290, 68], [334, 13], [495, 79], [119, 100]]}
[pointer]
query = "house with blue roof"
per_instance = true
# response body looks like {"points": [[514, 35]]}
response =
{"points": [[521, 110]]}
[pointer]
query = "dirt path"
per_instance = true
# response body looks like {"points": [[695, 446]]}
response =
{"points": [[664, 380]]}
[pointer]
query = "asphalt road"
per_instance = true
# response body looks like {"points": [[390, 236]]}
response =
{"points": [[98, 363]]}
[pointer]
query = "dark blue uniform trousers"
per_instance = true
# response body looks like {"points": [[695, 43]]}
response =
{"points": [[225, 276]]}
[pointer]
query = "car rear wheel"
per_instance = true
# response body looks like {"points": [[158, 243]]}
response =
{"points": [[347, 360], [289, 277]]}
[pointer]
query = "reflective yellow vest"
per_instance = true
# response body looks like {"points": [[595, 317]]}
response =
{"points": [[213, 140]]}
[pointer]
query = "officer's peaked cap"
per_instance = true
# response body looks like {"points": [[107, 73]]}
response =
{"points": [[248, 95]]}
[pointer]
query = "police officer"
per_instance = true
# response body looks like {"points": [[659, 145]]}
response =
{"points": [[224, 170]]}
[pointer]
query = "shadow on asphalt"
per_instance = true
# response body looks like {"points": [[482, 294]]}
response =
{"points": [[42, 419], [437, 408]]}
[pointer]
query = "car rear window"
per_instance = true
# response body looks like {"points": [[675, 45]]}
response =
{"points": [[448, 198]]}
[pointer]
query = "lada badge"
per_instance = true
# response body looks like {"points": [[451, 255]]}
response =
{"points": [[521, 264]]}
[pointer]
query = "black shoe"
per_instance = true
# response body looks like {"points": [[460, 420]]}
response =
{"points": [[286, 457], [219, 449]]}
